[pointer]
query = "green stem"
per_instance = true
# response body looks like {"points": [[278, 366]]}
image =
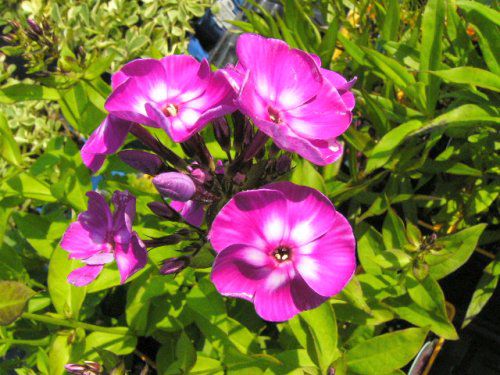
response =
{"points": [[75, 324], [40, 342]]}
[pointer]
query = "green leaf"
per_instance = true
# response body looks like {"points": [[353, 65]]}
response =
{"points": [[465, 115], [408, 310], [427, 294], [485, 20], [307, 175], [484, 290], [26, 186], [117, 344], [13, 299], [386, 352], [328, 43], [433, 21], [370, 244], [22, 92], [185, 353], [59, 353], [393, 231], [66, 298], [390, 68], [9, 150], [384, 149], [390, 27], [470, 76], [321, 331], [456, 250]]}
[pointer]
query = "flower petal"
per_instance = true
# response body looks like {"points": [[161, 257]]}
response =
{"points": [[130, 257], [328, 263], [123, 216], [105, 140], [342, 86], [84, 275], [290, 296], [239, 270], [80, 242], [323, 117], [192, 211], [310, 213], [287, 77], [187, 78], [255, 218], [148, 84], [319, 152]]}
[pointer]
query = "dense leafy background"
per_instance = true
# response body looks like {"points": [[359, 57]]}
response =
{"points": [[418, 181]]}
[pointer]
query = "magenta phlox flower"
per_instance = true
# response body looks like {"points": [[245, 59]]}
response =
{"points": [[98, 237], [105, 140], [289, 97], [283, 247], [176, 93]]}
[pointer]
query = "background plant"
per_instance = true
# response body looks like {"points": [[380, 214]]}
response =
{"points": [[419, 182]]}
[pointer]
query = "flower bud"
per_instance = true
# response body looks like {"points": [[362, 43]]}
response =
{"points": [[175, 185], [200, 175], [163, 241], [34, 26], [240, 125], [202, 154], [219, 167], [258, 142], [283, 164], [174, 265], [142, 161], [222, 133], [88, 368], [163, 210], [239, 178]]}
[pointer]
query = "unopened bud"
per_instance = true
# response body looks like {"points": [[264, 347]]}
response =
{"points": [[175, 185], [239, 178], [219, 167], [88, 368], [222, 133], [240, 125], [34, 26], [163, 210], [174, 265], [15, 25], [283, 164], [200, 175], [201, 152], [142, 161], [8, 39], [163, 241], [257, 144]]}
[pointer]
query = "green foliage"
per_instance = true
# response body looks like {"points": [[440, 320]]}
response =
{"points": [[418, 181]]}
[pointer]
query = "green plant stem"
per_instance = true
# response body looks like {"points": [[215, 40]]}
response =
{"points": [[40, 342], [76, 324]]}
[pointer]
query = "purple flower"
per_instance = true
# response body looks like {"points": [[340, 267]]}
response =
{"points": [[192, 211], [282, 247], [105, 140], [98, 237], [302, 107], [176, 93]]}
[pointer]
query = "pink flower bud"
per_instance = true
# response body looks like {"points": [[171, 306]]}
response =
{"points": [[174, 265], [175, 185]]}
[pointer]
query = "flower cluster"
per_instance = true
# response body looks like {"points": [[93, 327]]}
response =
{"points": [[282, 246]]}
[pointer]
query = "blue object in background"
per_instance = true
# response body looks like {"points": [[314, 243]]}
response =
{"points": [[196, 50]]}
